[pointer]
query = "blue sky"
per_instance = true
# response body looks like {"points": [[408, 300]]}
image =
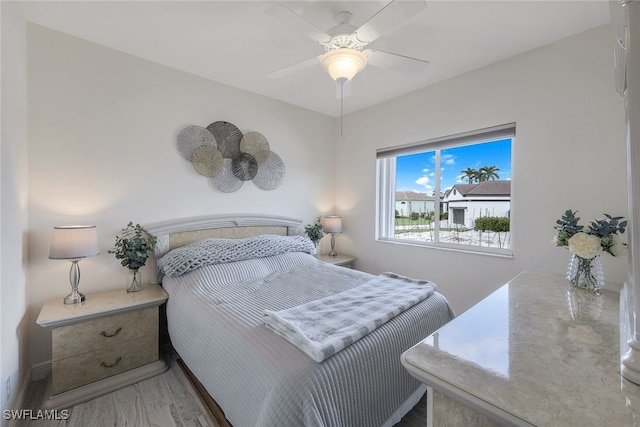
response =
{"points": [[416, 172]]}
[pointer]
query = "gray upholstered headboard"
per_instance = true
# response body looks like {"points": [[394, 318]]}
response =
{"points": [[175, 233]]}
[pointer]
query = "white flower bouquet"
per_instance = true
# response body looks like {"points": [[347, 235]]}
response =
{"points": [[601, 235], [584, 245]]}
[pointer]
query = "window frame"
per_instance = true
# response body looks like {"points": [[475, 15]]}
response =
{"points": [[386, 187]]}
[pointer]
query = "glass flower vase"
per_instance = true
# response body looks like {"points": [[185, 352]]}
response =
{"points": [[586, 273], [584, 305], [134, 281]]}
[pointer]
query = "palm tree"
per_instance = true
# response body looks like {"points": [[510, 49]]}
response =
{"points": [[470, 174], [488, 173]]}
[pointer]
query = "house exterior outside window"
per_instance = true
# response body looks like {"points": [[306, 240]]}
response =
{"points": [[412, 202], [473, 211], [488, 198]]}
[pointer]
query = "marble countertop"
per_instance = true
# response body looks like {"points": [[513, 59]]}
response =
{"points": [[55, 313], [535, 352]]}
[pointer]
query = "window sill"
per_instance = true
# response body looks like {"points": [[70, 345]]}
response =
{"points": [[476, 250]]}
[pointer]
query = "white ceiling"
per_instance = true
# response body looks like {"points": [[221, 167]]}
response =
{"points": [[236, 43]]}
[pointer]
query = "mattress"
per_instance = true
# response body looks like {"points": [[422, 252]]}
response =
{"points": [[215, 321]]}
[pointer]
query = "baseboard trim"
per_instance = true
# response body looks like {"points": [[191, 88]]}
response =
{"points": [[21, 400], [40, 370], [92, 390]]}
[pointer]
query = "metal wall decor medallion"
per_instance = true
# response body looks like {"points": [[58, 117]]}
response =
{"points": [[228, 158]]}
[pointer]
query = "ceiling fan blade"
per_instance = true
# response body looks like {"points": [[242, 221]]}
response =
{"points": [[388, 18], [293, 68], [394, 61], [297, 22]]}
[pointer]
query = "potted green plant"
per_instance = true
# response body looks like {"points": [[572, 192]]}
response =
{"points": [[132, 248], [314, 232]]}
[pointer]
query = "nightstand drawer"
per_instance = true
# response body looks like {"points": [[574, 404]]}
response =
{"points": [[92, 366], [96, 334]]}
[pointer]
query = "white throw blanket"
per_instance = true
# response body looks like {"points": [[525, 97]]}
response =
{"points": [[323, 327]]}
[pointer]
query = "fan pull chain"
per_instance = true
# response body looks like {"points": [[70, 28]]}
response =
{"points": [[341, 105]]}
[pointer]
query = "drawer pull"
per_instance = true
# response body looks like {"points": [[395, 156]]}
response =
{"points": [[107, 335], [106, 365]]}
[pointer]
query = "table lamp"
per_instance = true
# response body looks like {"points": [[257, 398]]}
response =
{"points": [[333, 226], [74, 242]]}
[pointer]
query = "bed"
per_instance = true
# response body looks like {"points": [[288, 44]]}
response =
{"points": [[216, 315]]}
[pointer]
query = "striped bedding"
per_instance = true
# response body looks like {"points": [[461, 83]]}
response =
{"points": [[215, 320]]}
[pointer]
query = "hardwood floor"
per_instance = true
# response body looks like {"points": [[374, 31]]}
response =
{"points": [[167, 400]]}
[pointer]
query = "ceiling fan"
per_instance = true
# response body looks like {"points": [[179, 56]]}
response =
{"points": [[345, 45]]}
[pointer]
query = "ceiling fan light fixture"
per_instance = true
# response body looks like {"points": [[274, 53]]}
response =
{"points": [[343, 64]]}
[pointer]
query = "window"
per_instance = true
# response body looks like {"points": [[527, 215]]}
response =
{"points": [[452, 192]]}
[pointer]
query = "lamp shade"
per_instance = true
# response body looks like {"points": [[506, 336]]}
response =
{"points": [[74, 242], [343, 63], [332, 224]]}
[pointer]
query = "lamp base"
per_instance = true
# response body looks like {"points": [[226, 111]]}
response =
{"points": [[74, 297], [333, 244]]}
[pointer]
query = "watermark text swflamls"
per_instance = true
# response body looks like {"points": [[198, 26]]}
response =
{"points": [[31, 414]]}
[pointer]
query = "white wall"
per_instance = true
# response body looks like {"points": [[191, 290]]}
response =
{"points": [[102, 130], [13, 205], [569, 153]]}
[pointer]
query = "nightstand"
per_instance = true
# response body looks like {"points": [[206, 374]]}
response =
{"points": [[341, 260], [105, 343]]}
